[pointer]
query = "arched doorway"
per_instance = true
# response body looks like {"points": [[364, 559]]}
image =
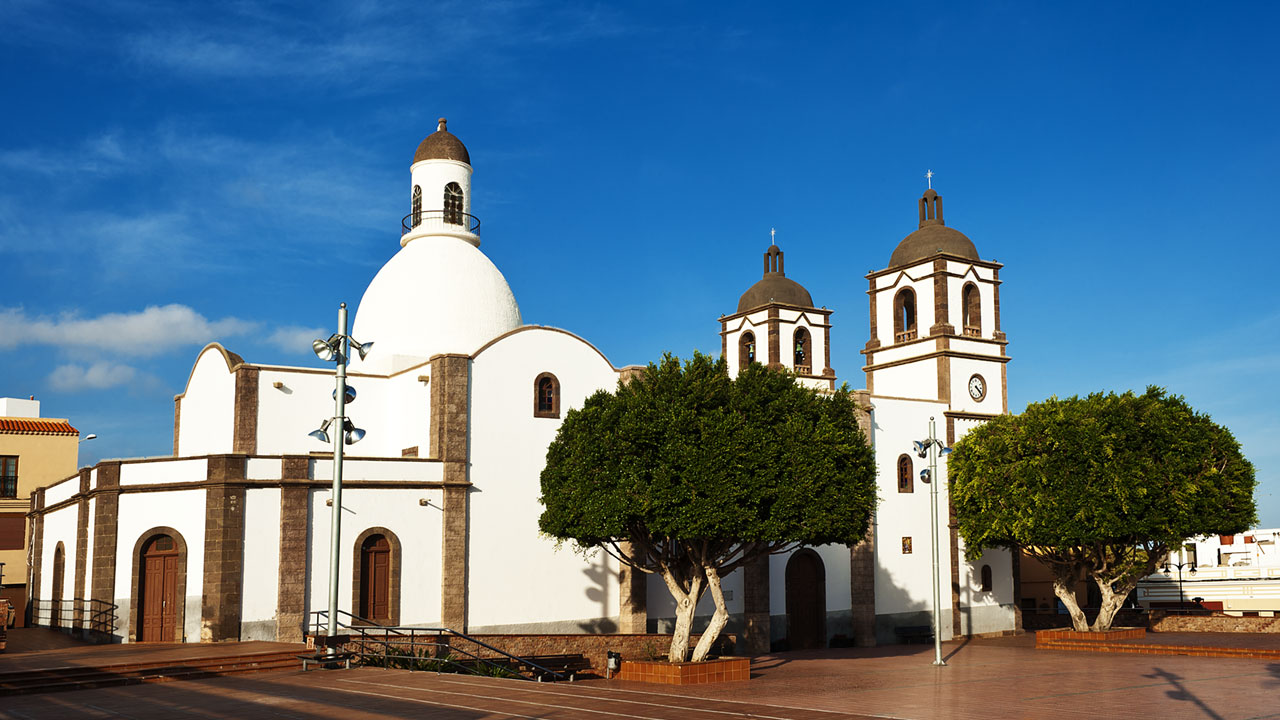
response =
{"points": [[375, 579], [806, 601], [158, 589], [55, 593]]}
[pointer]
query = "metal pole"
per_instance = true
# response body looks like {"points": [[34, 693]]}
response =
{"points": [[933, 534], [1182, 603], [339, 427]]}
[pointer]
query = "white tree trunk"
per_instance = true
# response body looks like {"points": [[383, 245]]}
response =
{"points": [[1065, 590], [718, 620], [1111, 603], [686, 604]]}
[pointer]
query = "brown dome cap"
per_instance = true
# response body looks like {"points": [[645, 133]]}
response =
{"points": [[933, 237], [442, 145], [774, 287]]}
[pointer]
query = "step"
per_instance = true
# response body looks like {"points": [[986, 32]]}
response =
{"points": [[1156, 649], [85, 677]]}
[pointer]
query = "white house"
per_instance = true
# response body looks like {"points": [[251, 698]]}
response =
{"points": [[228, 538], [1235, 574]]}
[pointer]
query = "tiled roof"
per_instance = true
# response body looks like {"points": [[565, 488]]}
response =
{"points": [[19, 426]]}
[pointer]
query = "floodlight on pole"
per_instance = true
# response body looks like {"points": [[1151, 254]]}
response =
{"points": [[932, 448], [336, 349]]}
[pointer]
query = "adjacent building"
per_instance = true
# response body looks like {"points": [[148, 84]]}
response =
{"points": [[34, 452]]}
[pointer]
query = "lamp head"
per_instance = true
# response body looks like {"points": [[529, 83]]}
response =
{"points": [[90, 436], [323, 433], [327, 349], [921, 448], [926, 476], [349, 395], [353, 434], [362, 348], [944, 451]]}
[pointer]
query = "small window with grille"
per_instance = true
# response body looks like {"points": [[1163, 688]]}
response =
{"points": [[453, 204], [8, 476]]}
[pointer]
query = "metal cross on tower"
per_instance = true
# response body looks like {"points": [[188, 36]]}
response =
{"points": [[928, 175], [773, 236]]}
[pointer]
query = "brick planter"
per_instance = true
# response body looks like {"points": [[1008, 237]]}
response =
{"points": [[662, 672], [1044, 636]]}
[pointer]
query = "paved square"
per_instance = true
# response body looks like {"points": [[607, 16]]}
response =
{"points": [[1003, 678]]}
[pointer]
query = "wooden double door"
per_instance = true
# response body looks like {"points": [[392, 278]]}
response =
{"points": [[375, 579], [806, 601], [159, 590]]}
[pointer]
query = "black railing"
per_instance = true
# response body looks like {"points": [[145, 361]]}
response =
{"points": [[93, 616], [440, 219], [422, 648]]}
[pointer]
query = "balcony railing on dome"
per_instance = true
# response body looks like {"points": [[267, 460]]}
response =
{"points": [[449, 220]]}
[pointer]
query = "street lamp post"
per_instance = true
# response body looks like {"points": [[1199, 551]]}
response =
{"points": [[1182, 603], [336, 349], [931, 448]]}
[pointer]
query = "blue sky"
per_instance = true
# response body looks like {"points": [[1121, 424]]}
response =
{"points": [[172, 174]]}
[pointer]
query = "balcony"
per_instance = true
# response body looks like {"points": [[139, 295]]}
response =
{"points": [[904, 336], [449, 222], [971, 331], [804, 369]]}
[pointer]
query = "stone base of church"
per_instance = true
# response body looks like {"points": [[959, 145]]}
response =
{"points": [[685, 673]]}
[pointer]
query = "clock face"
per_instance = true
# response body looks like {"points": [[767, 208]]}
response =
{"points": [[977, 387]]}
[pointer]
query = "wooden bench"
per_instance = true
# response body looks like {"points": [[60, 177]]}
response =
{"points": [[566, 664], [325, 660], [914, 633]]}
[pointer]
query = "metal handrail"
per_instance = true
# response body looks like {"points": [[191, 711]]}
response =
{"points": [[369, 630], [463, 221], [95, 615]]}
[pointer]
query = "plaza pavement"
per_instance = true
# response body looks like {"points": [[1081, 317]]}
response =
{"points": [[999, 678]]}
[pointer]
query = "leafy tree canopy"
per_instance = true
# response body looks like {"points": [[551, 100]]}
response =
{"points": [[689, 474], [1100, 486]]}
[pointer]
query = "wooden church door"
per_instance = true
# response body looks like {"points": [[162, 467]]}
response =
{"points": [[159, 590], [375, 579], [806, 601]]}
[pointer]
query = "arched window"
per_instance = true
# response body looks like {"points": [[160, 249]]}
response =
{"points": [[417, 205], [986, 578], [904, 315], [971, 300], [746, 350], [546, 396], [453, 204], [803, 352], [906, 475]]}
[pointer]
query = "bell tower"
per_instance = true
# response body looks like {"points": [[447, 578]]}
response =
{"points": [[777, 325], [935, 321], [440, 195]]}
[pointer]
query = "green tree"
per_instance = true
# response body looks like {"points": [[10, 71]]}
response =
{"points": [[687, 474], [1100, 487]]}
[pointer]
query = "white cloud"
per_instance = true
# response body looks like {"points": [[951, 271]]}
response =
{"points": [[153, 331], [294, 338], [98, 376]]}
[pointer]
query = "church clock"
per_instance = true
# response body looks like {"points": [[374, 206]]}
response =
{"points": [[977, 387]]}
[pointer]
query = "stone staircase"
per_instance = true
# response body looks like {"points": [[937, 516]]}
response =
{"points": [[82, 677]]}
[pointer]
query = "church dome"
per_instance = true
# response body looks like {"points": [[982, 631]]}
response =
{"points": [[438, 294], [774, 287], [442, 145], [933, 237]]}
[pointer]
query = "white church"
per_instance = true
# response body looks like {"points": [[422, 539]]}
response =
{"points": [[228, 539]]}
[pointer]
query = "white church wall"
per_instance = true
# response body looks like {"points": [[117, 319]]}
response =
{"points": [[903, 582], [260, 561], [182, 510], [558, 590], [207, 408], [61, 490], [262, 468], [918, 379], [986, 611], [409, 402], [165, 471], [391, 469], [59, 527], [418, 528], [287, 413]]}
